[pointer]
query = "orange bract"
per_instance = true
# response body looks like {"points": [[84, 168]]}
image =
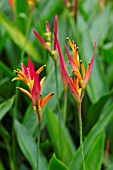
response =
{"points": [[31, 79]]}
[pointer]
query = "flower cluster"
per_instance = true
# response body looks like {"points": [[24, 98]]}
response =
{"points": [[47, 44], [78, 82], [31, 79]]}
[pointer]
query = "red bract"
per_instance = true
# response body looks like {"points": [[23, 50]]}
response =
{"points": [[47, 44], [66, 79], [76, 83], [31, 79]]}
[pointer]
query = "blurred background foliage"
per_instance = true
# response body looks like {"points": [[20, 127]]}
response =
{"points": [[84, 22]]}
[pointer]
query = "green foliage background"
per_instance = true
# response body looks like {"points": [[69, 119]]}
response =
{"points": [[18, 123]]}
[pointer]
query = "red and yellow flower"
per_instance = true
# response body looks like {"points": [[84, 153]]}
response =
{"points": [[47, 44], [77, 83], [31, 79]]}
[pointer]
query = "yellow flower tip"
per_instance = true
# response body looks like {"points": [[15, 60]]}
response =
{"points": [[15, 71], [45, 66], [13, 79], [76, 48], [34, 108], [53, 53], [67, 38], [52, 93], [47, 34], [48, 44], [80, 61], [80, 91]]}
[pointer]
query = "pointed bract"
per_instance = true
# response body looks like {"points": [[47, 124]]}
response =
{"points": [[36, 90], [31, 78], [65, 77], [88, 73], [41, 40], [76, 83], [55, 31], [47, 26], [31, 68]]}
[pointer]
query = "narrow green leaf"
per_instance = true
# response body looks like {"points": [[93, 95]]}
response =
{"points": [[100, 26], [22, 14], [63, 144], [48, 9], [56, 164], [6, 70], [30, 121], [18, 38], [94, 158], [5, 107], [96, 110], [104, 120], [107, 52], [28, 146]]}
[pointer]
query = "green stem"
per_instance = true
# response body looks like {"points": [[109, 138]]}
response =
{"points": [[38, 148], [80, 127], [38, 112], [65, 106], [59, 111]]}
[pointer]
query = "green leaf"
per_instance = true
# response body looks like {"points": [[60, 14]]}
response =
{"points": [[107, 52], [18, 38], [95, 155], [29, 147], [110, 74], [56, 164], [22, 14], [6, 70], [48, 9], [30, 121], [5, 107], [103, 121], [61, 139], [100, 26], [96, 110]]}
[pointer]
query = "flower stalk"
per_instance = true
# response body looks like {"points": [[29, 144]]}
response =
{"points": [[31, 78], [38, 113], [80, 132], [65, 107]]}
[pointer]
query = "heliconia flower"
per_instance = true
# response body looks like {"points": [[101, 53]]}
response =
{"points": [[31, 79], [76, 83], [77, 64], [67, 81], [47, 44]]}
